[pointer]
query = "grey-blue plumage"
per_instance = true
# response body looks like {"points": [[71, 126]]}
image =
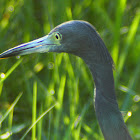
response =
{"points": [[81, 39]]}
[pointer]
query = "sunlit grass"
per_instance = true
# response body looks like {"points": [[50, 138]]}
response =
{"points": [[10, 109], [4, 76], [34, 110], [9, 112], [37, 120], [128, 43]]}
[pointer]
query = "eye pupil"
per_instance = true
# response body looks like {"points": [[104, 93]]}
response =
{"points": [[56, 36]]}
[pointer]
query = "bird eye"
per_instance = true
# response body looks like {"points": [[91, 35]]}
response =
{"points": [[58, 36]]}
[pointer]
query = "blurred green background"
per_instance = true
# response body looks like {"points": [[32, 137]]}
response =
{"points": [[31, 85]]}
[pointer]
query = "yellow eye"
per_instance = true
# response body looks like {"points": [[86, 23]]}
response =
{"points": [[58, 36]]}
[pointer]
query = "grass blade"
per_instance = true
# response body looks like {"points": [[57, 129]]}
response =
{"points": [[34, 110], [38, 119], [40, 125], [11, 70], [130, 38], [10, 108]]}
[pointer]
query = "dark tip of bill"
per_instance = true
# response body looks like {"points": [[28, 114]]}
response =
{"points": [[6, 55]]}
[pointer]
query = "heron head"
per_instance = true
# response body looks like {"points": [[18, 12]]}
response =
{"points": [[70, 37], [75, 37]]}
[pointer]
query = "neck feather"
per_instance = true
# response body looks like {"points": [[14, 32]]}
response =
{"points": [[106, 107]]}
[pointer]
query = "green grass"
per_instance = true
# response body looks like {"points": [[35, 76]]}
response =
{"points": [[57, 99]]}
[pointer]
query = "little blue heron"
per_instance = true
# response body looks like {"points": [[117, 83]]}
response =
{"points": [[81, 39]]}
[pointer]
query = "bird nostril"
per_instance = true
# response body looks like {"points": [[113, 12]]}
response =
{"points": [[40, 41]]}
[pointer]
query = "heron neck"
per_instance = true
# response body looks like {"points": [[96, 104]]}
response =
{"points": [[106, 106], [104, 81], [103, 77]]}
